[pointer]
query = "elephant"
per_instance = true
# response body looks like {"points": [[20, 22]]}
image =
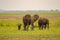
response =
{"points": [[29, 20], [43, 23], [19, 26]]}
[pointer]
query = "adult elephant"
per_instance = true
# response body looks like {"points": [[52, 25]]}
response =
{"points": [[29, 20], [43, 23]]}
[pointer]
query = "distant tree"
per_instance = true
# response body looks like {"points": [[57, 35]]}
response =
{"points": [[56, 10], [52, 10]]}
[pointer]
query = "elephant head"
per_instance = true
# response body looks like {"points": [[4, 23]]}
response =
{"points": [[35, 17]]}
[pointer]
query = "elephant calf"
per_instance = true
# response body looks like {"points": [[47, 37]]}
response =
{"points": [[19, 26], [43, 22]]}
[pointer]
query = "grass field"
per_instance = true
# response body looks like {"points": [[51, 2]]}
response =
{"points": [[9, 31]]}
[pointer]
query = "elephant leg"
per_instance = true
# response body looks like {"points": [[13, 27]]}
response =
{"points": [[39, 27], [25, 27], [45, 26], [18, 27], [32, 27], [42, 27]]}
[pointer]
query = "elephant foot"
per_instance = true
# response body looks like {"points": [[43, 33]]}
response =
{"points": [[25, 30], [40, 29]]}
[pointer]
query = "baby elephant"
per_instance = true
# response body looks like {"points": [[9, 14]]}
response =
{"points": [[19, 26], [43, 23]]}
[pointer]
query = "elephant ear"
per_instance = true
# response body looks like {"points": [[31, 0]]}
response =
{"points": [[36, 17]]}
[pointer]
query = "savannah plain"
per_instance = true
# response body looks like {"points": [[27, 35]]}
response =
{"points": [[9, 30]]}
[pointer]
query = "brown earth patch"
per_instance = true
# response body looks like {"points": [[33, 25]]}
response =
{"points": [[10, 17], [20, 17]]}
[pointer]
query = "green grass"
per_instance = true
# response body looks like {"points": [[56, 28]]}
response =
{"points": [[9, 31], [10, 27]]}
